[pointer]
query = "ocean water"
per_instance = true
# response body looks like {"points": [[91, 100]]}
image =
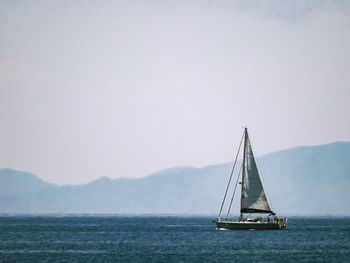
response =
{"points": [[168, 239]]}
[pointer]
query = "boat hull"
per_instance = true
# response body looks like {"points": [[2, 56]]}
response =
{"points": [[249, 225]]}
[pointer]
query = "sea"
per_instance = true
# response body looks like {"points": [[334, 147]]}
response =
{"points": [[115, 238]]}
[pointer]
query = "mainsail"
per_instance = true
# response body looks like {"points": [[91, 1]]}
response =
{"points": [[253, 198]]}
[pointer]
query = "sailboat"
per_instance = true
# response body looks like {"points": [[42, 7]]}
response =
{"points": [[255, 211]]}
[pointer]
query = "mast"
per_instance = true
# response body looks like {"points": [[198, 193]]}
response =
{"points": [[245, 133]]}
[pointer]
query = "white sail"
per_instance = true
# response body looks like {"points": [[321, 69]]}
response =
{"points": [[253, 196]]}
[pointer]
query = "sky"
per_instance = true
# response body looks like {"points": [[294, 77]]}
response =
{"points": [[127, 88]]}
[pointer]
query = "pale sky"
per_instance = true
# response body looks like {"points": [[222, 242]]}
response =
{"points": [[127, 88]]}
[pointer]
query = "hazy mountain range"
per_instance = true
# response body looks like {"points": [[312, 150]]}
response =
{"points": [[304, 180]]}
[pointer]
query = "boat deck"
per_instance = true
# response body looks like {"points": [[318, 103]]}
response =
{"points": [[246, 225]]}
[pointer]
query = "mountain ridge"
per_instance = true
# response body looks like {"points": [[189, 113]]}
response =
{"points": [[290, 184]]}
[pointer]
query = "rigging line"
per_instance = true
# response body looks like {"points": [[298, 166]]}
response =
{"points": [[234, 191], [229, 181]]}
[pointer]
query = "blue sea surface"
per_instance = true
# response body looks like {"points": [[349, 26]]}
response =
{"points": [[88, 238]]}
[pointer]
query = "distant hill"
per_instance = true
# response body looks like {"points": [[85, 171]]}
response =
{"points": [[304, 180]]}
